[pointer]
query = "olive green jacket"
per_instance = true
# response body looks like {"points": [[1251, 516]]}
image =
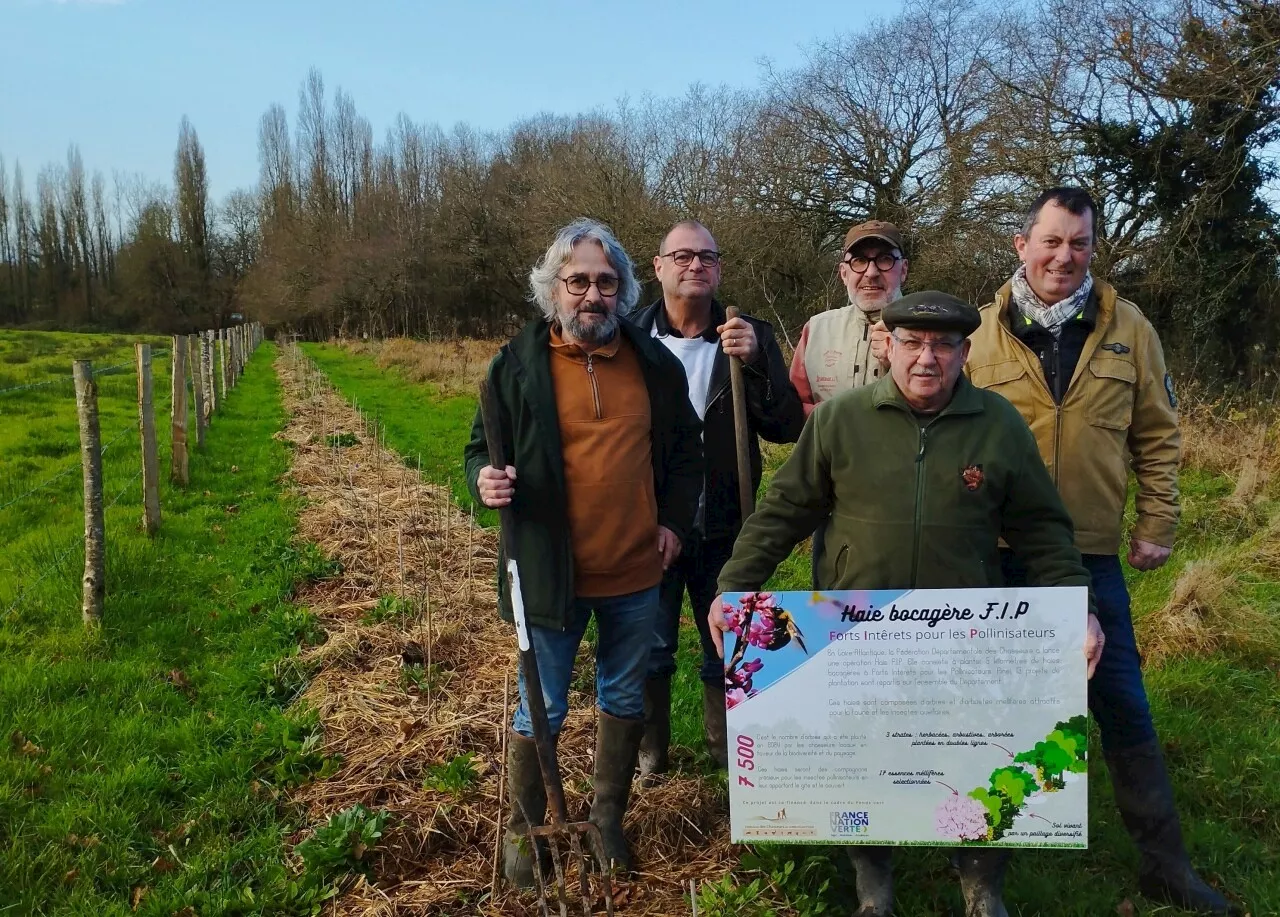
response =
{"points": [[914, 503], [1119, 412]]}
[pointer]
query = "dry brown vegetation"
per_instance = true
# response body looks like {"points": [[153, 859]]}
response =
{"points": [[1226, 599], [396, 536], [454, 366]]}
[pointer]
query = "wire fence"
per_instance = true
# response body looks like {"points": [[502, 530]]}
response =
{"points": [[218, 362]]}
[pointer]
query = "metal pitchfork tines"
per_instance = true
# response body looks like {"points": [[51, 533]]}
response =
{"points": [[593, 883]]}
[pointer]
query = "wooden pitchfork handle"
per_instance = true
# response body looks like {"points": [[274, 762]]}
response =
{"points": [[741, 432], [549, 765]]}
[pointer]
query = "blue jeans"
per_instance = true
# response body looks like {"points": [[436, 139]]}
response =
{"points": [[624, 625], [696, 570], [1117, 697]]}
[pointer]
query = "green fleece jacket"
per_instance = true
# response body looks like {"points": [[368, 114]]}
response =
{"points": [[914, 501]]}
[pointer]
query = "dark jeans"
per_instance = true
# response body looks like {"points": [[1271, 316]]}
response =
{"points": [[696, 571], [1117, 698]]}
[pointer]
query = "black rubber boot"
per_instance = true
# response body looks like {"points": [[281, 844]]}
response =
{"points": [[713, 724], [617, 747], [874, 868], [982, 880], [657, 727], [528, 798], [1144, 796]]}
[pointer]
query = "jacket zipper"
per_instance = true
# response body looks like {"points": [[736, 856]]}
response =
{"points": [[595, 389], [916, 526], [1057, 407]]}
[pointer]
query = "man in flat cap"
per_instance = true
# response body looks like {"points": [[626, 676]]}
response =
{"points": [[918, 476]]}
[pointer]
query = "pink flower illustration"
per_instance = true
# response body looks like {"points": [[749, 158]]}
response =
{"points": [[962, 818], [741, 677], [734, 697]]}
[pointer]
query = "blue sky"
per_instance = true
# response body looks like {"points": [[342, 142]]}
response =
{"points": [[117, 77]]}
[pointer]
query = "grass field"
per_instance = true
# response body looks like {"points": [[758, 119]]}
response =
{"points": [[1218, 712], [142, 765]]}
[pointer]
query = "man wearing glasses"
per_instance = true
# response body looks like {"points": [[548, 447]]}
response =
{"points": [[605, 470], [690, 322], [844, 348], [922, 474], [1087, 371]]}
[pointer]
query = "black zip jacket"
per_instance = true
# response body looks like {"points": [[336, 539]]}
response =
{"points": [[773, 411]]}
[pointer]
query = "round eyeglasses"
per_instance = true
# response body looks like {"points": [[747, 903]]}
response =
{"points": [[914, 346], [884, 263], [578, 284]]}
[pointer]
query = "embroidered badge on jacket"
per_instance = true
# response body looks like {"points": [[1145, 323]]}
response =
{"points": [[972, 476], [1117, 348]]}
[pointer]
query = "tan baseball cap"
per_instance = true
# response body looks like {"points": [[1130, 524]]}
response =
{"points": [[874, 229]]}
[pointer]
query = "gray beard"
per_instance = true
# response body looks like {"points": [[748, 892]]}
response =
{"points": [[591, 333]]}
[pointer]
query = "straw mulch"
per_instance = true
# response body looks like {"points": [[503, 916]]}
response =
{"points": [[396, 536]]}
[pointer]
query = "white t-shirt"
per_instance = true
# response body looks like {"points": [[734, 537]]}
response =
{"points": [[697, 355]]}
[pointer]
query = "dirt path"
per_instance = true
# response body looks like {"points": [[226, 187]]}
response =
{"points": [[416, 670]]}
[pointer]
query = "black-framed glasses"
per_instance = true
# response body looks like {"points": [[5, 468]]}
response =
{"points": [[683, 257], [578, 284], [884, 262], [914, 346]]}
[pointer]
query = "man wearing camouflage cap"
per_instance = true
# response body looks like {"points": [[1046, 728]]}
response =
{"points": [[921, 475]]}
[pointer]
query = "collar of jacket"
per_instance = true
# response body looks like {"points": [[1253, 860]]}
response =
{"points": [[966, 399], [655, 317], [1103, 292]]}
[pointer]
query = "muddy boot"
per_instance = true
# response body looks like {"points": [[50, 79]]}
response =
{"points": [[713, 724], [528, 809], [874, 868], [1145, 799], [657, 728], [982, 880], [617, 746]]}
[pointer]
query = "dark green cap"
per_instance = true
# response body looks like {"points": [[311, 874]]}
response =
{"points": [[931, 310]]}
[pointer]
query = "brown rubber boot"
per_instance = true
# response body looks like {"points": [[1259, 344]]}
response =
{"points": [[617, 747], [982, 881], [657, 728], [874, 867], [528, 809], [713, 724]]}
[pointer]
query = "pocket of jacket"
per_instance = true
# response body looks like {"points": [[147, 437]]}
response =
{"points": [[842, 558], [1005, 379], [1111, 393]]}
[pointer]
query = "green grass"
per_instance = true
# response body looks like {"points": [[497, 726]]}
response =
{"points": [[141, 765], [1219, 719], [419, 425]]}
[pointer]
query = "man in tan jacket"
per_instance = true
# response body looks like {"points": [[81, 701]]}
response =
{"points": [[1086, 371]]}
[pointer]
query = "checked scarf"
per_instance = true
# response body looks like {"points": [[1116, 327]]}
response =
{"points": [[1050, 318]]}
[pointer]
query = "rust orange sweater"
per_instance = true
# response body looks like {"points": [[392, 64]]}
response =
{"points": [[604, 436]]}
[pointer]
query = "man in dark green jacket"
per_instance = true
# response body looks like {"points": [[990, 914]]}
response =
{"points": [[602, 471], [921, 474]]}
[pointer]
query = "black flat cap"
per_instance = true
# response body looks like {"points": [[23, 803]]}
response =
{"points": [[931, 310]]}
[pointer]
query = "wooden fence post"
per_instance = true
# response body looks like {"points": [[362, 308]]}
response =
{"points": [[206, 370], [147, 430], [178, 422], [222, 364], [197, 386], [91, 462]]}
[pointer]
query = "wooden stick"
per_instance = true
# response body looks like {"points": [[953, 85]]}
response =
{"points": [[196, 350], [147, 431], [742, 433], [502, 777], [91, 459]]}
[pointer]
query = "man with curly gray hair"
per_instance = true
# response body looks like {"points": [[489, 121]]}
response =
{"points": [[606, 469]]}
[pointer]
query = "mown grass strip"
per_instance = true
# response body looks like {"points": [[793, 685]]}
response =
{"points": [[141, 767]]}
